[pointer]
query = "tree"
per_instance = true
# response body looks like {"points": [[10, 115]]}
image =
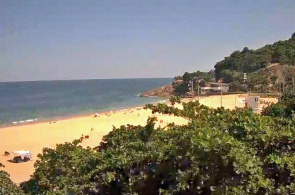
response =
{"points": [[64, 170], [218, 152], [252, 60], [245, 50], [7, 186], [227, 76], [237, 86], [284, 108], [186, 77], [175, 99]]}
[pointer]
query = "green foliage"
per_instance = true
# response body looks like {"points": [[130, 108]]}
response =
{"points": [[237, 86], [288, 99], [252, 60], [7, 186], [248, 61], [218, 152], [64, 170], [182, 87], [274, 110], [257, 78], [175, 99], [284, 108]]}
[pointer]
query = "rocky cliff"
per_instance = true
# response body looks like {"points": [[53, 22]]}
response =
{"points": [[166, 90]]}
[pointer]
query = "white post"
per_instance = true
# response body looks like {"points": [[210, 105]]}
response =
{"points": [[192, 88], [221, 93], [198, 91]]}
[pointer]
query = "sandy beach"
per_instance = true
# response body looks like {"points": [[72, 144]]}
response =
{"points": [[34, 137]]}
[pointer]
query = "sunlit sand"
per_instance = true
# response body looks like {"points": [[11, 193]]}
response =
{"points": [[34, 137]]}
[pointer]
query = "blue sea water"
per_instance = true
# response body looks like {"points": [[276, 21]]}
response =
{"points": [[23, 102]]}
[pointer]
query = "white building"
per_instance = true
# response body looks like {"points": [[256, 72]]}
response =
{"points": [[215, 87], [252, 102]]}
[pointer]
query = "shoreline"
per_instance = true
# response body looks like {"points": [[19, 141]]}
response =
{"points": [[75, 116], [35, 136]]}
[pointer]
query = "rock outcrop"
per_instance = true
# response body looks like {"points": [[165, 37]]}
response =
{"points": [[166, 90], [281, 73]]}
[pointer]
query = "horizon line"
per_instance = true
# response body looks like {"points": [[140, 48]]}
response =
{"points": [[85, 79]]}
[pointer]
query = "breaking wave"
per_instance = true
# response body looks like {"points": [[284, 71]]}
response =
{"points": [[24, 121]]}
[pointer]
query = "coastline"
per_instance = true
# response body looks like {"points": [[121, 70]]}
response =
{"points": [[34, 102], [35, 136], [75, 116]]}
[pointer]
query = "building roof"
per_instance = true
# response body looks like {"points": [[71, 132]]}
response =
{"points": [[22, 152], [215, 83]]}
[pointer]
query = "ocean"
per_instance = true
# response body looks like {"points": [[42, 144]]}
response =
{"points": [[35, 101]]}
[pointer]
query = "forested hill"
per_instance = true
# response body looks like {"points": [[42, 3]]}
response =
{"points": [[248, 60], [267, 68]]}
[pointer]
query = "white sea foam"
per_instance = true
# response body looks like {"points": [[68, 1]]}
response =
{"points": [[163, 101], [92, 96], [24, 121]]}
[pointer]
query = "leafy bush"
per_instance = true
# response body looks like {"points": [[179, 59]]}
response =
{"points": [[7, 186], [64, 170], [175, 99], [284, 108], [237, 86], [219, 152], [182, 87], [274, 110]]}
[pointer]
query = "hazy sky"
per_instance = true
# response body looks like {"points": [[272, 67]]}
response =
{"points": [[66, 39]]}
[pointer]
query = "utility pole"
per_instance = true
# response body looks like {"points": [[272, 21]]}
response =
{"points": [[221, 93], [192, 88], [198, 90], [191, 84], [220, 81]]}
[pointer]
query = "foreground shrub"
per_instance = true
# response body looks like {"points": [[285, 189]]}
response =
{"points": [[7, 186], [275, 110], [218, 152], [284, 108]]}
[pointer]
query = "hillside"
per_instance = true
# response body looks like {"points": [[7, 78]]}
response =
{"points": [[248, 61], [272, 78], [278, 74], [267, 69]]}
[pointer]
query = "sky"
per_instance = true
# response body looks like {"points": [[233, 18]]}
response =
{"points": [[95, 39]]}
